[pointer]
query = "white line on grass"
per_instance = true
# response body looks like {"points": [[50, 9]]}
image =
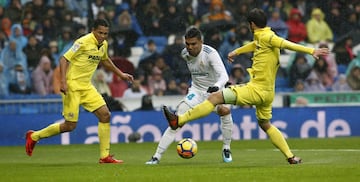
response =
{"points": [[312, 150]]}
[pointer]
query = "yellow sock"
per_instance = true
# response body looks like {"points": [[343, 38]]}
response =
{"points": [[279, 141], [51, 130], [104, 139], [199, 111]]}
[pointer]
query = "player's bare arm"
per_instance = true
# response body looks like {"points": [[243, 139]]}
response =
{"points": [[250, 47], [64, 64], [110, 65]]}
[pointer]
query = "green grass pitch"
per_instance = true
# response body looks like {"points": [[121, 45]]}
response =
{"points": [[335, 159]]}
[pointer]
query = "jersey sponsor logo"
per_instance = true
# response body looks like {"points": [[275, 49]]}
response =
{"points": [[94, 58]]}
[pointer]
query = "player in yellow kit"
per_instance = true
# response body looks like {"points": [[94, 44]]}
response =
{"points": [[260, 90], [77, 67]]}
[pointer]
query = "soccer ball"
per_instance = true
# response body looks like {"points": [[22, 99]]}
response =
{"points": [[187, 148]]}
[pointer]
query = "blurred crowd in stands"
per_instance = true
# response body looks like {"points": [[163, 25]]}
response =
{"points": [[35, 33]]}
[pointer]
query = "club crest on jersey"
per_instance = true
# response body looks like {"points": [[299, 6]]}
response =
{"points": [[75, 47]]}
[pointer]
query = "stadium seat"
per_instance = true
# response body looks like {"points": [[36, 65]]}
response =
{"points": [[342, 69]]}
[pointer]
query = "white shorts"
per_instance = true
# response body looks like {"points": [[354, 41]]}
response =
{"points": [[193, 98]]}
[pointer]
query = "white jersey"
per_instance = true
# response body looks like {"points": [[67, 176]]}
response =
{"points": [[207, 68]]}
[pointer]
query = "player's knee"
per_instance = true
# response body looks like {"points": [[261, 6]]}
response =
{"points": [[67, 126], [264, 124], [105, 116], [222, 111]]}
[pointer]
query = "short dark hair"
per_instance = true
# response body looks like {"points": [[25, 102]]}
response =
{"points": [[257, 16], [100, 22], [193, 32]]}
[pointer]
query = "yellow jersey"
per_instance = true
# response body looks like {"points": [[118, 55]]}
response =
{"points": [[84, 57], [266, 54]]}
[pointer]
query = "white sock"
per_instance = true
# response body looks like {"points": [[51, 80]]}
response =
{"points": [[226, 129], [165, 141]]}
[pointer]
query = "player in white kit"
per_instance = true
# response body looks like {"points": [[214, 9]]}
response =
{"points": [[208, 75]]}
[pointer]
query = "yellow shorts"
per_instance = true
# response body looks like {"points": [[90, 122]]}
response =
{"points": [[90, 99], [250, 95]]}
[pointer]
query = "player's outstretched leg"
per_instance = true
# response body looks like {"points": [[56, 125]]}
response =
{"points": [[171, 118], [294, 160], [30, 143]]}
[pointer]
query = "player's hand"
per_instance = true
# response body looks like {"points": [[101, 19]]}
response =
{"points": [[212, 89], [320, 52], [231, 56], [63, 87], [127, 77]]}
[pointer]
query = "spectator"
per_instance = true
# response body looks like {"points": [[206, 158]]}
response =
{"points": [[135, 91], [296, 28], [189, 16], [49, 29], [313, 83], [230, 43], [152, 15], [171, 52], [243, 34], [350, 24], [32, 51], [299, 70], [100, 83], [172, 88], [42, 77], [65, 38], [156, 82], [54, 50], [334, 19], [18, 35], [126, 31], [277, 24], [341, 84], [14, 11], [330, 60], [146, 103], [184, 86], [166, 72], [217, 12], [19, 81], [27, 30], [172, 22], [323, 72], [343, 50], [117, 86], [4, 85], [299, 86], [4, 40], [213, 37], [80, 7], [353, 77], [38, 8], [12, 55], [95, 7], [237, 75], [6, 26], [150, 51], [317, 28], [39, 34]]}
